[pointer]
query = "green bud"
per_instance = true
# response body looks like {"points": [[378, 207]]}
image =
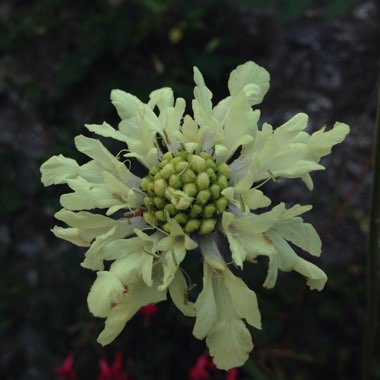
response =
{"points": [[181, 166], [167, 171], [149, 218], [221, 205], [144, 184], [151, 189], [211, 173], [189, 155], [207, 226], [202, 197], [160, 215], [190, 189], [169, 193], [159, 202], [170, 208], [197, 163], [181, 200], [160, 186], [209, 210], [203, 181], [166, 227], [154, 170], [189, 176], [224, 169], [175, 181], [176, 160], [211, 164], [167, 156], [157, 175], [205, 155], [195, 211], [222, 181], [147, 202], [181, 218], [163, 163], [215, 191], [192, 225], [183, 154]]}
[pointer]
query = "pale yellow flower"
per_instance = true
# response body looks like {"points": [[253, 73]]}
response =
{"points": [[193, 192]]}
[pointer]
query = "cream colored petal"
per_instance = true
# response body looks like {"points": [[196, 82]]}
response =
{"points": [[244, 198], [125, 103], [229, 344], [162, 98], [288, 260], [170, 261], [87, 226], [271, 278], [85, 220], [239, 125], [211, 253], [141, 131], [87, 196], [106, 130], [243, 299], [95, 254], [205, 306], [321, 142], [245, 235], [301, 234], [94, 149], [137, 296], [58, 169], [91, 171], [107, 162], [250, 78], [106, 291], [120, 248], [283, 213], [277, 153], [178, 293], [254, 199], [72, 235], [171, 121], [202, 104], [148, 157], [315, 277], [132, 266], [115, 323]]}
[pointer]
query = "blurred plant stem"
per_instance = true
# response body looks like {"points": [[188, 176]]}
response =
{"points": [[372, 261]]}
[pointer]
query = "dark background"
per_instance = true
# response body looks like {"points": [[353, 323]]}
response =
{"points": [[59, 61]]}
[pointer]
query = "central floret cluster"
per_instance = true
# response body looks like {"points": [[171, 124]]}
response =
{"points": [[186, 187]]}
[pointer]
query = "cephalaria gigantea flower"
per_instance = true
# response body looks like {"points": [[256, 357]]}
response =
{"points": [[200, 191]]}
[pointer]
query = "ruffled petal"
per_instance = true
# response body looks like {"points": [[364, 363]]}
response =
{"points": [[138, 295], [58, 169], [106, 291], [252, 79], [178, 294]]}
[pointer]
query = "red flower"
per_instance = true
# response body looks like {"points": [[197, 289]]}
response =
{"points": [[232, 374], [65, 371], [148, 311], [115, 372], [199, 371]]}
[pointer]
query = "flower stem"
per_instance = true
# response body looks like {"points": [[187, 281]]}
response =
{"points": [[372, 260]]}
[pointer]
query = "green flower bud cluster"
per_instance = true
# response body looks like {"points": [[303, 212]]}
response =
{"points": [[186, 187]]}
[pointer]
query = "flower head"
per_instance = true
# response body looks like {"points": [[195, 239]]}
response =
{"points": [[201, 182]]}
